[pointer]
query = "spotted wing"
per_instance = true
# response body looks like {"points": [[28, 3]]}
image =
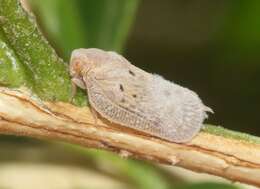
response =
{"points": [[127, 95]]}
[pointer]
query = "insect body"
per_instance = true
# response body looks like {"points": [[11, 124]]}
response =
{"points": [[131, 97]]}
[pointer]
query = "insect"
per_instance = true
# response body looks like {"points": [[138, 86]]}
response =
{"points": [[125, 94]]}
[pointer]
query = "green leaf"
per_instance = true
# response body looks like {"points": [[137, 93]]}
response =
{"points": [[12, 72], [74, 24], [62, 22], [40, 69], [107, 22]]}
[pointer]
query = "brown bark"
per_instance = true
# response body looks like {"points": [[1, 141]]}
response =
{"points": [[24, 115]]}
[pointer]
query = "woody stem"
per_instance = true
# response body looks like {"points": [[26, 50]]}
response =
{"points": [[228, 157]]}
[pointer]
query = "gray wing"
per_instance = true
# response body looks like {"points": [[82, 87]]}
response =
{"points": [[127, 95]]}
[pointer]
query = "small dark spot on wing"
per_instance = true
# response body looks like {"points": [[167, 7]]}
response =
{"points": [[134, 95], [121, 87], [132, 73]]}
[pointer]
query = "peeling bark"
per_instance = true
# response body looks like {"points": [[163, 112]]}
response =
{"points": [[22, 114]]}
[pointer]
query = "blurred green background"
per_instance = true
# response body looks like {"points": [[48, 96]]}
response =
{"points": [[210, 47]]}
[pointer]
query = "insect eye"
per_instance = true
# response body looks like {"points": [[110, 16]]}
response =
{"points": [[76, 65], [134, 95]]}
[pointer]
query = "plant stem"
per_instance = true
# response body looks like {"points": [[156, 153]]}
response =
{"points": [[228, 157]]}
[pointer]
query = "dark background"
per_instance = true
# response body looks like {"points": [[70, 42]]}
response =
{"points": [[211, 47]]}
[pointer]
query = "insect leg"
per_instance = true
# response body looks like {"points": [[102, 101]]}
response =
{"points": [[73, 91], [74, 83], [94, 114], [78, 82]]}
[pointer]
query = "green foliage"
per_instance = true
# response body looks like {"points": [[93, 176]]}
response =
{"points": [[28, 60], [43, 71], [208, 185], [75, 24], [12, 72]]}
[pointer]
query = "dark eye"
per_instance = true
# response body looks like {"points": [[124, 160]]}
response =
{"points": [[132, 73], [76, 66], [134, 95], [121, 87]]}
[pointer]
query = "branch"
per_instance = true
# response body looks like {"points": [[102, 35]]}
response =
{"points": [[228, 157]]}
